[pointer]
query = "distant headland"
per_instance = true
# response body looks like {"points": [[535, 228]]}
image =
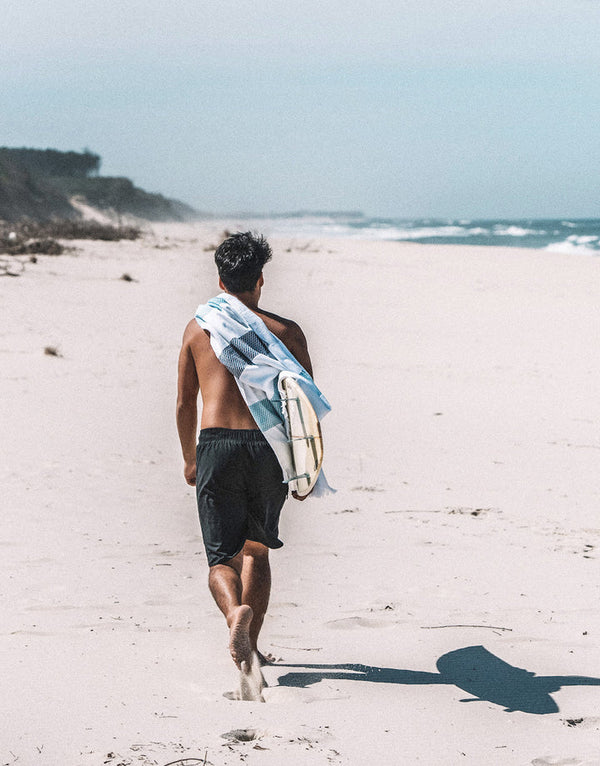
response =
{"points": [[47, 184]]}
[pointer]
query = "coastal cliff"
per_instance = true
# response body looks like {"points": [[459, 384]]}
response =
{"points": [[46, 184]]}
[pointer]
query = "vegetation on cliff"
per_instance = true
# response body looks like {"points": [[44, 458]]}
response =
{"points": [[40, 184]]}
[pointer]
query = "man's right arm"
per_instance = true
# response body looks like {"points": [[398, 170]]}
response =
{"points": [[295, 341], [187, 405]]}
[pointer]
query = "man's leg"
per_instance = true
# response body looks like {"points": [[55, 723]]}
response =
{"points": [[225, 584], [256, 586]]}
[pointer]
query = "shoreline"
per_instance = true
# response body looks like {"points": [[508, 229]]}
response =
{"points": [[578, 236]]}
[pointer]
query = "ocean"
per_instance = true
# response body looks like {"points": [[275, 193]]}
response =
{"points": [[557, 235]]}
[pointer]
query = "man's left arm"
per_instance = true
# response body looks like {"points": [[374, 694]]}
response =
{"points": [[187, 408]]}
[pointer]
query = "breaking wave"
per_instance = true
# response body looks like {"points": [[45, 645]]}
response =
{"points": [[556, 235]]}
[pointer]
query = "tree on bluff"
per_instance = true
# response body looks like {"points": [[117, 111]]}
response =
{"points": [[52, 163]]}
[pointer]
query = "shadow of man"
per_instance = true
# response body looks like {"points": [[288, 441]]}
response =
{"points": [[473, 669]]}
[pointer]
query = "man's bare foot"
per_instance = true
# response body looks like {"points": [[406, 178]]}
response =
{"points": [[265, 659], [239, 635], [252, 681]]}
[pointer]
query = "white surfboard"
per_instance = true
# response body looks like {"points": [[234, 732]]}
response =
{"points": [[304, 433]]}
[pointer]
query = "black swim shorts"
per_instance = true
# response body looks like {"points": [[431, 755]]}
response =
{"points": [[240, 491]]}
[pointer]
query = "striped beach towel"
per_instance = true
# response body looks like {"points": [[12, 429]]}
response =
{"points": [[257, 359]]}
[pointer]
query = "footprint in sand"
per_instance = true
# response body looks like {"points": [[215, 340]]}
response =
{"points": [[241, 735], [322, 692], [590, 722], [347, 623]]}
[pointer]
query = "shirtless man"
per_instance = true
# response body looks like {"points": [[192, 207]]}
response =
{"points": [[239, 483]]}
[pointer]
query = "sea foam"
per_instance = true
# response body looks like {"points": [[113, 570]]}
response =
{"points": [[558, 235]]}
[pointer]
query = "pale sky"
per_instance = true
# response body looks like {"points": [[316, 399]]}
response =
{"points": [[405, 108]]}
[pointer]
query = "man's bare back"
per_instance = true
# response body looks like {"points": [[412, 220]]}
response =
{"points": [[200, 371]]}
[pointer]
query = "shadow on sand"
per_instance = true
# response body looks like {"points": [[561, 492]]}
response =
{"points": [[472, 669]]}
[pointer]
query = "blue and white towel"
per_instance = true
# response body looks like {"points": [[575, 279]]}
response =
{"points": [[257, 358]]}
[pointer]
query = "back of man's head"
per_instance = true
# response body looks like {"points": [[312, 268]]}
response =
{"points": [[240, 260]]}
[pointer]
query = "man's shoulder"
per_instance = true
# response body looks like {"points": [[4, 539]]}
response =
{"points": [[290, 334], [194, 334], [282, 327]]}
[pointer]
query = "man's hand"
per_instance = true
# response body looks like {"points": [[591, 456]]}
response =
{"points": [[189, 471]]}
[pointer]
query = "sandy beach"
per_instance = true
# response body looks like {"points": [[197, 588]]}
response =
{"points": [[442, 608]]}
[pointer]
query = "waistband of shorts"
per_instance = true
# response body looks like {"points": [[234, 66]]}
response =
{"points": [[234, 435]]}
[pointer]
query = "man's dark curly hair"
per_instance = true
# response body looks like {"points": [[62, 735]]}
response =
{"points": [[240, 260]]}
